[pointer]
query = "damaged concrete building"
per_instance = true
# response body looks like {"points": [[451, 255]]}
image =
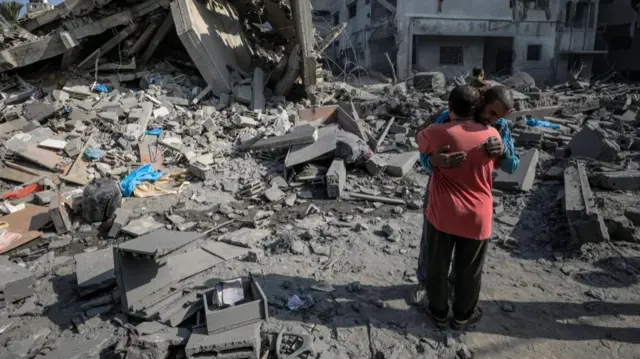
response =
{"points": [[548, 39], [618, 23]]}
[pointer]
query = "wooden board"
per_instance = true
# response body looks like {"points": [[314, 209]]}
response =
{"points": [[47, 159], [14, 175], [26, 222]]}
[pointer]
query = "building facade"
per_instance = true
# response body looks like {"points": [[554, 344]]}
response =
{"points": [[548, 39], [35, 7], [619, 24]]}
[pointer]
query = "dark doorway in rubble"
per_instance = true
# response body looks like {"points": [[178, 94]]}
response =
{"points": [[498, 55]]}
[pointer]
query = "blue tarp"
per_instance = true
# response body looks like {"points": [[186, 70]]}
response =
{"points": [[539, 123], [141, 174]]}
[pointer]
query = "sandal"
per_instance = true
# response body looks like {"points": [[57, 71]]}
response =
{"points": [[463, 324]]}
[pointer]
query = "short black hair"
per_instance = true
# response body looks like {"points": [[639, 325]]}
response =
{"points": [[464, 100], [477, 71], [499, 93]]}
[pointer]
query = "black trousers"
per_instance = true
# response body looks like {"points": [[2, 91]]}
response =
{"points": [[468, 257]]}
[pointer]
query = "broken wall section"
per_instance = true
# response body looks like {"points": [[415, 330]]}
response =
{"points": [[214, 40]]}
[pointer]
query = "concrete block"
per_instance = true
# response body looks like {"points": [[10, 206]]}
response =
{"points": [[38, 111], [245, 237], [94, 270], [274, 194], [201, 171], [593, 142], [121, 219], [376, 165], [73, 147], [239, 343], [585, 222], [628, 180], [59, 215], [399, 165], [336, 178], [561, 152], [44, 197], [16, 283], [253, 309], [300, 135], [633, 214], [523, 178]]}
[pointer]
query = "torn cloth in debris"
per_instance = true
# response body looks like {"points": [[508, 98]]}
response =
{"points": [[23, 192], [144, 173], [172, 183]]}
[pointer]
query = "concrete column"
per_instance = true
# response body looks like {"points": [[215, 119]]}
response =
{"points": [[405, 40]]}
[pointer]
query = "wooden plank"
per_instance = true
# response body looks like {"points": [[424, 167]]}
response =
{"points": [[47, 159], [78, 171], [14, 175], [27, 223]]}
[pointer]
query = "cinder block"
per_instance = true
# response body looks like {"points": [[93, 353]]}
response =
{"points": [[240, 343], [336, 178], [585, 222], [400, 165], [523, 178], [16, 283], [628, 180], [199, 170], [253, 310]]}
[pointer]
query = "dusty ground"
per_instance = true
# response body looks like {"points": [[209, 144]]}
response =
{"points": [[540, 300]]}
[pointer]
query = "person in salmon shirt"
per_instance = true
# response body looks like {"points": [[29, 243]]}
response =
{"points": [[459, 213]]}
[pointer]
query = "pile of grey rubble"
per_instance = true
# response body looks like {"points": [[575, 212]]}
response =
{"points": [[238, 158]]}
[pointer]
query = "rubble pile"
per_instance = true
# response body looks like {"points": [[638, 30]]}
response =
{"points": [[83, 151]]}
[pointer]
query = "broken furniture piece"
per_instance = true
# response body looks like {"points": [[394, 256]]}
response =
{"points": [[149, 271], [249, 305]]}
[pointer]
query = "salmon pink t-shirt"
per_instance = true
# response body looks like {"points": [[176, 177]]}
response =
{"points": [[460, 199]]}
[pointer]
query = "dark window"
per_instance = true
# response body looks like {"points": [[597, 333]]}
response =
{"points": [[352, 9], [534, 52], [568, 10], [451, 55], [619, 42], [336, 18], [367, 1]]}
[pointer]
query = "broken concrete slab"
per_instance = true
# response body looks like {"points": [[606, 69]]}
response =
{"points": [[585, 222], [159, 243], [400, 165], [336, 178], [121, 219], [142, 226], [94, 270], [16, 282], [245, 237], [523, 178], [78, 349], [628, 180], [299, 135], [205, 35], [274, 194], [325, 145], [593, 142]]}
